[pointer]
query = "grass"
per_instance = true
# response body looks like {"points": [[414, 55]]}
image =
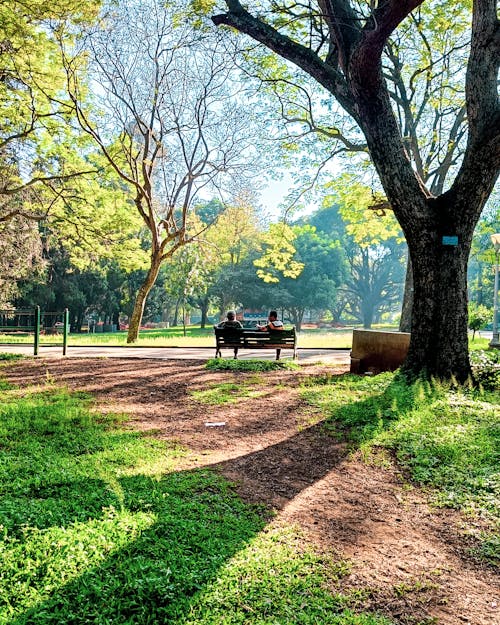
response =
{"points": [[174, 337], [195, 336], [97, 527], [478, 343], [266, 596], [251, 364], [227, 393], [447, 439], [7, 356]]}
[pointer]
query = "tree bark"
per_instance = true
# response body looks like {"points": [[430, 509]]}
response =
{"points": [[439, 339], [176, 313], [405, 321], [204, 313], [140, 300]]}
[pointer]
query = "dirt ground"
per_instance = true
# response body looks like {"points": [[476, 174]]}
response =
{"points": [[414, 561]]}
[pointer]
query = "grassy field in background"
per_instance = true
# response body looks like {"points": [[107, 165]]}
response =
{"points": [[174, 337], [197, 337]]}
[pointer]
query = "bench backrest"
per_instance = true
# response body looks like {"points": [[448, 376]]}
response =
{"points": [[239, 336], [231, 336], [287, 337]]}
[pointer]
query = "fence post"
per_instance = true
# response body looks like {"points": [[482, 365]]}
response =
{"points": [[65, 331], [36, 342]]}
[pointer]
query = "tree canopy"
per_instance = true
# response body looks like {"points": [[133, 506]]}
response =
{"points": [[166, 117], [342, 46], [36, 136]]}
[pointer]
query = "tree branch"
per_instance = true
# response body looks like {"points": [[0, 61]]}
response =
{"points": [[483, 111], [365, 60], [481, 161], [300, 55]]}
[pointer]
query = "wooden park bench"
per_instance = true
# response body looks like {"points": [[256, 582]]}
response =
{"points": [[236, 339]]}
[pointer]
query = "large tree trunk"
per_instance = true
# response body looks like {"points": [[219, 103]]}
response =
{"points": [[438, 232], [140, 300], [439, 338], [204, 317], [367, 311]]}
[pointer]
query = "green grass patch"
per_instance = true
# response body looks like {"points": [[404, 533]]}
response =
{"points": [[97, 527], [193, 336], [226, 393], [447, 439], [267, 583], [252, 365], [478, 343], [7, 356]]}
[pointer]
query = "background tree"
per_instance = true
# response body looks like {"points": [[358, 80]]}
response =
{"points": [[482, 258], [374, 285], [36, 136], [163, 118], [49, 175], [87, 292], [20, 256], [315, 287], [341, 46], [479, 316], [374, 248], [373, 251], [229, 243]]}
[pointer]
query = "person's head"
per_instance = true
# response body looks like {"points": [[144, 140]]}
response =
{"points": [[273, 315], [231, 315]]}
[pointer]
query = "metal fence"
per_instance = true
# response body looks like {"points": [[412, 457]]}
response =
{"points": [[16, 322]]}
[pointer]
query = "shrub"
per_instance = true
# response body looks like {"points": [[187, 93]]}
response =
{"points": [[486, 367], [479, 316], [7, 356]]}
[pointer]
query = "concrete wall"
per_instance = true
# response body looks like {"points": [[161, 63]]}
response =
{"points": [[376, 350]]}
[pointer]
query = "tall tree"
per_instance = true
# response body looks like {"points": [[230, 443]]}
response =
{"points": [[372, 247], [419, 64], [36, 134], [341, 44], [319, 271], [375, 282], [226, 243], [482, 258], [20, 256], [165, 119]]}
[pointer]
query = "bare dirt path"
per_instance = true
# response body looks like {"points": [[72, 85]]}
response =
{"points": [[412, 562]]}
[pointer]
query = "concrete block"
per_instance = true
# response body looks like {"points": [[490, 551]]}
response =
{"points": [[378, 350]]}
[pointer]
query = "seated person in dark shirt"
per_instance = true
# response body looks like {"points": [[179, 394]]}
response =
{"points": [[273, 323], [230, 321]]}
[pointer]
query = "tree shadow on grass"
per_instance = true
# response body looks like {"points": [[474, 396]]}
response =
{"points": [[136, 549]]}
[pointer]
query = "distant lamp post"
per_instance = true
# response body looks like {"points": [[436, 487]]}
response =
{"points": [[495, 239]]}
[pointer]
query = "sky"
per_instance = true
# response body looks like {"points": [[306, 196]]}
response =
{"points": [[273, 196]]}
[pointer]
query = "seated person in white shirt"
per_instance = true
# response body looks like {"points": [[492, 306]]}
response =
{"points": [[273, 323]]}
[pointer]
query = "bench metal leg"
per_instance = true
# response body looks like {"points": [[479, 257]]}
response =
{"points": [[235, 353], [278, 353], [218, 353]]}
